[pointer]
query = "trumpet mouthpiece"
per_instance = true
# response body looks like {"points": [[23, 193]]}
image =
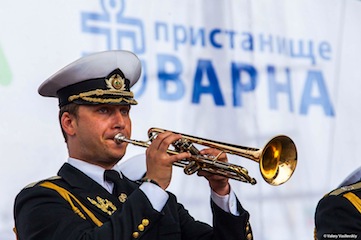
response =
{"points": [[119, 138]]}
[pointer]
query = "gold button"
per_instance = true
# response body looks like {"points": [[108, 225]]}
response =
{"points": [[141, 227], [249, 236], [145, 222], [122, 197], [248, 227], [135, 234]]}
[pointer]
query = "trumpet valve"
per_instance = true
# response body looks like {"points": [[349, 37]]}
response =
{"points": [[182, 145], [191, 168]]}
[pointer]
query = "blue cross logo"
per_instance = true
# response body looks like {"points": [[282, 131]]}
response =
{"points": [[117, 28], [121, 32]]}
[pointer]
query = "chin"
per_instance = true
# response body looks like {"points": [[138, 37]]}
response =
{"points": [[119, 156]]}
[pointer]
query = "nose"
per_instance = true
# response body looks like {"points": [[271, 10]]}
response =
{"points": [[119, 121]]}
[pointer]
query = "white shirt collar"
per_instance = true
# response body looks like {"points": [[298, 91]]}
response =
{"points": [[94, 172]]}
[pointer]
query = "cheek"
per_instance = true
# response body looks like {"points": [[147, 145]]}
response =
{"points": [[91, 127], [130, 126]]}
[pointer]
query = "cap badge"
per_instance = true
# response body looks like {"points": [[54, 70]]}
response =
{"points": [[116, 82]]}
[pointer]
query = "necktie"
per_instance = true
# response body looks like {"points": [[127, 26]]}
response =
{"points": [[119, 188]]}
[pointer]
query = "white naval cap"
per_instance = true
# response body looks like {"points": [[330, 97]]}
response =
{"points": [[99, 78]]}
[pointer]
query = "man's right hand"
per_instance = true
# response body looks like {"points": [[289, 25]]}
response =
{"points": [[159, 162]]}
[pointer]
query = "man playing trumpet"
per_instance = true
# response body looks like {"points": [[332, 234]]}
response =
{"points": [[90, 198]]}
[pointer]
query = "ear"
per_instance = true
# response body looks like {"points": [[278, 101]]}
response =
{"points": [[68, 123]]}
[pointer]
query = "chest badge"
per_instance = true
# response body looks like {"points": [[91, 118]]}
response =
{"points": [[103, 204]]}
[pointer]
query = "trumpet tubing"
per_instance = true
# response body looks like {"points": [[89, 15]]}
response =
{"points": [[277, 160]]}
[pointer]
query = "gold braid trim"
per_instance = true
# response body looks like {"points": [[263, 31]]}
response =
{"points": [[355, 200], [315, 234], [109, 100], [69, 197], [16, 233], [101, 92]]}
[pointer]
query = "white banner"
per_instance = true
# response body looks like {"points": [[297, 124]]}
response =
{"points": [[235, 71]]}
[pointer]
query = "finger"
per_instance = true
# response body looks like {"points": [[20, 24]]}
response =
{"points": [[210, 151], [180, 156], [165, 139], [158, 141], [214, 152], [168, 140]]}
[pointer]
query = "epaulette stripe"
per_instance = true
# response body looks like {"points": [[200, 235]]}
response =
{"points": [[345, 189], [35, 183], [31, 185], [356, 201], [53, 178]]}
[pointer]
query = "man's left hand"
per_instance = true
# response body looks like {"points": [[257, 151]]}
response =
{"points": [[219, 184]]}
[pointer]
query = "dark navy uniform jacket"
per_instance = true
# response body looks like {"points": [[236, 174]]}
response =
{"points": [[73, 206], [338, 214]]}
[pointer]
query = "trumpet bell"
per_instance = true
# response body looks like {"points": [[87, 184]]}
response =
{"points": [[278, 160]]}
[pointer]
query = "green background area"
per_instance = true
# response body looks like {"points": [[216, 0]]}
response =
{"points": [[5, 73]]}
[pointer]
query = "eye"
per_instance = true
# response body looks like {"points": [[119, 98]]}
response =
{"points": [[103, 110], [124, 111]]}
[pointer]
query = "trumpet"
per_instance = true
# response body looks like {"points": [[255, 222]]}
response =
{"points": [[277, 159]]}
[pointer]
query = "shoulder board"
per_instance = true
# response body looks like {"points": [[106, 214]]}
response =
{"points": [[35, 183], [344, 189]]}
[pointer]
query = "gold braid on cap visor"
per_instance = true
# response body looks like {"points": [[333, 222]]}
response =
{"points": [[124, 96]]}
